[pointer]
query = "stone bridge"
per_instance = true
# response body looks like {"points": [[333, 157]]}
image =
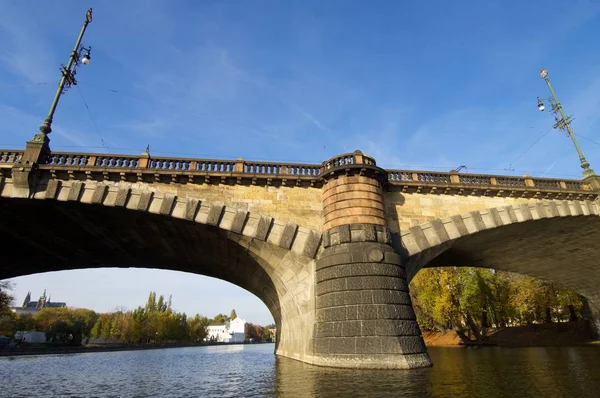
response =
{"points": [[329, 248]]}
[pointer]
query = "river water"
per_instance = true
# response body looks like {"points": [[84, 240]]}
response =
{"points": [[254, 371]]}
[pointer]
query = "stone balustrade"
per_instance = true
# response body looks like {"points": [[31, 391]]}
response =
{"points": [[269, 173], [9, 157]]}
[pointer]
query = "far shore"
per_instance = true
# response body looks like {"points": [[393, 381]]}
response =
{"points": [[536, 335], [59, 350]]}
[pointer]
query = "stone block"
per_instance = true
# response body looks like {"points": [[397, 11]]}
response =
{"points": [[577, 210], [122, 196], [342, 345], [287, 236], [477, 220], [387, 327], [402, 345], [440, 231], [460, 226], [214, 214], [145, 198], [167, 205], [52, 189], [496, 217], [368, 345], [99, 193], [420, 238], [367, 311], [540, 210], [75, 191], [263, 228], [311, 246], [351, 328], [512, 216], [239, 220], [191, 208], [369, 327], [525, 212], [396, 312]]}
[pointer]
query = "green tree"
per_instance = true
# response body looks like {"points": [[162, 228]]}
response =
{"points": [[5, 297], [197, 328], [220, 319], [233, 315]]}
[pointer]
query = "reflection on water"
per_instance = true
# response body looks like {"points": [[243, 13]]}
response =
{"points": [[253, 371]]}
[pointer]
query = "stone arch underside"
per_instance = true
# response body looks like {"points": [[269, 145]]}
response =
{"points": [[51, 235], [553, 241]]}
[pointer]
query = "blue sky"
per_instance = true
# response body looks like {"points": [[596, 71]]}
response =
{"points": [[419, 85]]}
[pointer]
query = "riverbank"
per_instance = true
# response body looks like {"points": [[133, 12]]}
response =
{"points": [[537, 335], [58, 350]]}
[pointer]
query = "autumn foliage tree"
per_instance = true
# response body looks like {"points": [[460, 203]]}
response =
{"points": [[465, 297]]}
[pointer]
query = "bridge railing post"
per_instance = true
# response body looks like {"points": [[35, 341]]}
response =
{"points": [[144, 160], [358, 157], [454, 177], [239, 165], [528, 181]]}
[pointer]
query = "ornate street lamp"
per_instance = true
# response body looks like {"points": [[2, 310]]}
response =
{"points": [[67, 80], [563, 122]]}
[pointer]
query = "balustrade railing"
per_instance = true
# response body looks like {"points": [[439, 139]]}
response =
{"points": [[7, 156], [548, 183], [474, 179], [313, 171], [510, 181], [68, 159], [433, 178], [215, 166]]}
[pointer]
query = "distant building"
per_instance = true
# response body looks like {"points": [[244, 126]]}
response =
{"points": [[232, 332], [33, 307]]}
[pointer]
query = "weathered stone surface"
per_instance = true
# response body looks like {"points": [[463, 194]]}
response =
{"points": [[312, 244], [350, 306], [75, 191], [263, 228], [122, 196], [287, 236], [52, 189], [99, 193], [145, 198], [167, 204], [214, 214], [191, 208], [239, 220]]}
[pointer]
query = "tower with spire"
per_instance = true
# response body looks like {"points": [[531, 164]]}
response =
{"points": [[27, 300]]}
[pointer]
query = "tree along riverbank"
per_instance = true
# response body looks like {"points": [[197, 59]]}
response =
{"points": [[58, 350], [536, 335]]}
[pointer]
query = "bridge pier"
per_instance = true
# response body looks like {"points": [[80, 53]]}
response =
{"points": [[591, 311], [364, 316]]}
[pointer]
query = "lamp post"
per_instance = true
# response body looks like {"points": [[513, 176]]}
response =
{"points": [[67, 80], [563, 123]]}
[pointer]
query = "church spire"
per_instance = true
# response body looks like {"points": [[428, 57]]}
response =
{"points": [[27, 300]]}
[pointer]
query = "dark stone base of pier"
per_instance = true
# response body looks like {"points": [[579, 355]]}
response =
{"points": [[364, 315]]}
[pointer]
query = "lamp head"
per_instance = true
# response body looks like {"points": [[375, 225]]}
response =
{"points": [[540, 105], [544, 73], [86, 58]]}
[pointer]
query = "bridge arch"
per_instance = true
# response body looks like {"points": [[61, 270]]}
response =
{"points": [[72, 224], [552, 240]]}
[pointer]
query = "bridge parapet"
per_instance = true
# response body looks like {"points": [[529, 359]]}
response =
{"points": [[491, 185], [197, 170], [9, 157]]}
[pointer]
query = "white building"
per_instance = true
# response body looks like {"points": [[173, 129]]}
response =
{"points": [[232, 332]]}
